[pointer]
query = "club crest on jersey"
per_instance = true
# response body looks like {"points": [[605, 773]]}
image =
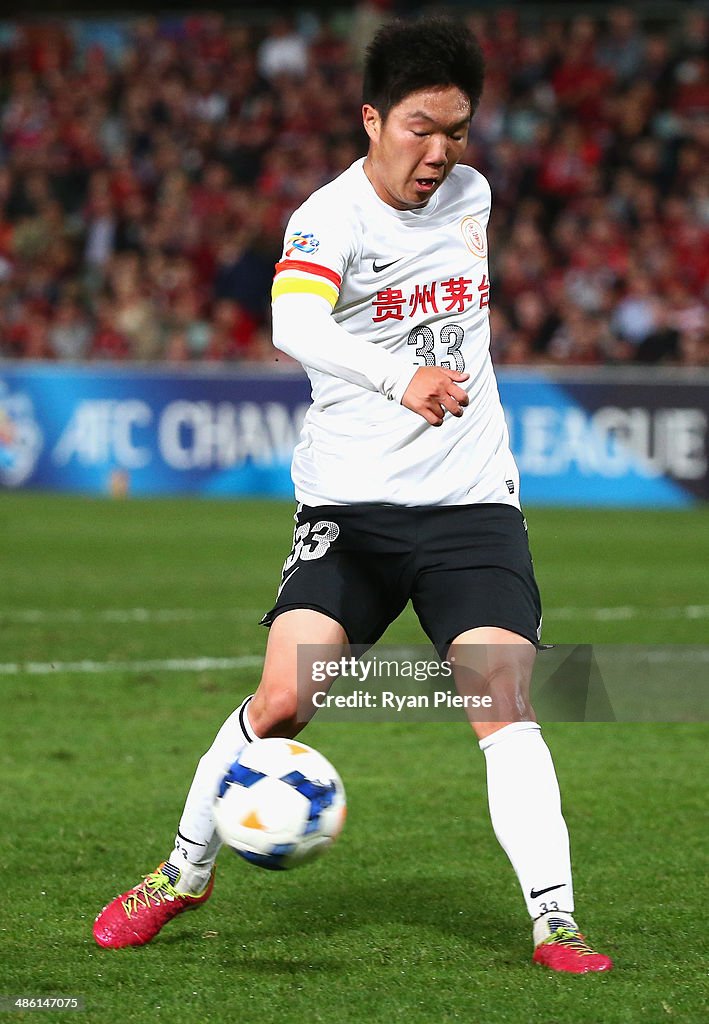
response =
{"points": [[302, 241], [474, 236]]}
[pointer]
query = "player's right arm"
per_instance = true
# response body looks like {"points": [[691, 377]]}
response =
{"points": [[303, 327], [305, 291]]}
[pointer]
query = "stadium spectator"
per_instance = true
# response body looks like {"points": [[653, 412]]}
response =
{"points": [[621, 49], [189, 332], [636, 316], [136, 315], [283, 52], [233, 332], [108, 342], [70, 331]]}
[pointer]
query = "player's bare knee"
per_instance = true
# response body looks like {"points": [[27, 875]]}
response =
{"points": [[508, 687], [498, 672], [274, 712]]}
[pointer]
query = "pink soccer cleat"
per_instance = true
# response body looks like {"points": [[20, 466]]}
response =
{"points": [[137, 916], [567, 950]]}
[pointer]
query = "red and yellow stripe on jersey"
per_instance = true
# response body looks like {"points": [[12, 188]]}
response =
{"points": [[299, 277]]}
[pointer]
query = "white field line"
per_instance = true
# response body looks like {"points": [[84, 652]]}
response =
{"points": [[205, 664], [629, 611], [150, 616], [145, 615], [123, 615], [45, 668]]}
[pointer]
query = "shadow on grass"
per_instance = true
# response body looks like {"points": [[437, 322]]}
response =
{"points": [[442, 907]]}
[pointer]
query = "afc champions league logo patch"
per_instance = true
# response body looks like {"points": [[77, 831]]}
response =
{"points": [[20, 437], [302, 241], [474, 236]]}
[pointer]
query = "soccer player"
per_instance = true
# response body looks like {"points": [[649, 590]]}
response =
{"points": [[405, 482]]}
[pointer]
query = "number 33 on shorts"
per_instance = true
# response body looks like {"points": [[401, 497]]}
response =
{"points": [[310, 541]]}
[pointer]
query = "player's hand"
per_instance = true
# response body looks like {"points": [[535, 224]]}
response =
{"points": [[433, 392]]}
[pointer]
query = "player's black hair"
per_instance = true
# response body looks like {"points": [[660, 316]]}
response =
{"points": [[406, 56]]}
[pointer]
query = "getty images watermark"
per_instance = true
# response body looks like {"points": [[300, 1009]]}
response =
{"points": [[380, 670], [566, 683]]}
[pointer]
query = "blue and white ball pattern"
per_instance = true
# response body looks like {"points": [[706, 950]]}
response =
{"points": [[280, 804]]}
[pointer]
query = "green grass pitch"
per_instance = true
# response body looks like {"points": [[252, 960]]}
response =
{"points": [[415, 915]]}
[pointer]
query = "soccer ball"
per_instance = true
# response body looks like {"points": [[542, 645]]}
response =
{"points": [[280, 804]]}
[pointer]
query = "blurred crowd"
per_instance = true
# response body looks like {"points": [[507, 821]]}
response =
{"points": [[148, 167]]}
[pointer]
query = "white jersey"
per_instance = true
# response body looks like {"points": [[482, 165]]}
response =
{"points": [[410, 288]]}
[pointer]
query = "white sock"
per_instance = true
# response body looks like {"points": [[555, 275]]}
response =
{"points": [[525, 809], [197, 843], [546, 925]]}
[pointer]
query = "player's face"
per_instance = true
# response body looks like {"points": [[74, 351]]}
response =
{"points": [[415, 148]]}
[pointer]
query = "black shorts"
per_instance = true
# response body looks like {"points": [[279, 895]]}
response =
{"points": [[462, 566]]}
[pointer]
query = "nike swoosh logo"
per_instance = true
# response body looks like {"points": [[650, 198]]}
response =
{"points": [[533, 895], [383, 266], [284, 581]]}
